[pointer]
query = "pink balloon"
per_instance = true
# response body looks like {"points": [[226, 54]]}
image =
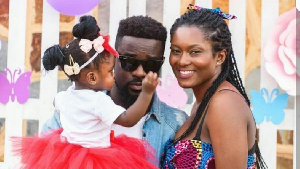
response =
{"points": [[73, 7]]}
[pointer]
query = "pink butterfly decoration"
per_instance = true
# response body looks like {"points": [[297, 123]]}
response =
{"points": [[171, 93], [15, 88]]}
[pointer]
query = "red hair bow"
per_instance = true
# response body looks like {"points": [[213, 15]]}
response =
{"points": [[107, 46]]}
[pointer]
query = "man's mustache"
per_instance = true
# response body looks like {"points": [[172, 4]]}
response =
{"points": [[135, 80]]}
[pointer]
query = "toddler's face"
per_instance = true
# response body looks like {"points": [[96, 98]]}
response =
{"points": [[106, 74]]}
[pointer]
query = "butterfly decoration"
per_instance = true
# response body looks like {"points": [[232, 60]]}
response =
{"points": [[269, 107], [15, 88], [171, 93]]}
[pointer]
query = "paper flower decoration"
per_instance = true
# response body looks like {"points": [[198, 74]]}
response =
{"points": [[73, 7], [280, 52], [171, 93]]}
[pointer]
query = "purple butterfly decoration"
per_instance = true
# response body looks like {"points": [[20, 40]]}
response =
{"points": [[15, 88]]}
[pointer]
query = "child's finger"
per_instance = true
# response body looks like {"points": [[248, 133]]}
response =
{"points": [[155, 76]]}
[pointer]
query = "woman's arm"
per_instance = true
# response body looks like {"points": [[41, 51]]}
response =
{"points": [[227, 127]]}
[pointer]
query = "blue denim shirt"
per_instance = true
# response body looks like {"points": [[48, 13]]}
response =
{"points": [[162, 124]]}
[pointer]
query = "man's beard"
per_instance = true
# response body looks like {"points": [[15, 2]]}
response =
{"points": [[124, 95]]}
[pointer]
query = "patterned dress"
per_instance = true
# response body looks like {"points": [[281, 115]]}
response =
{"points": [[196, 154]]}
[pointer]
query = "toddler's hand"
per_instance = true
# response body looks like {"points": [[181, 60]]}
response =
{"points": [[150, 82]]}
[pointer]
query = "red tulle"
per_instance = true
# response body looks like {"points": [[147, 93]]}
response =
{"points": [[48, 151]]}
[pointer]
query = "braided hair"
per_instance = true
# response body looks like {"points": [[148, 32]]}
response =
{"points": [[55, 55], [217, 32]]}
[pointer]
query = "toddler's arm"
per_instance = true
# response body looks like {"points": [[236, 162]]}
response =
{"points": [[135, 112]]}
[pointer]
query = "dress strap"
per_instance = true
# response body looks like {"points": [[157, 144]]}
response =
{"points": [[197, 136], [252, 150], [229, 90]]}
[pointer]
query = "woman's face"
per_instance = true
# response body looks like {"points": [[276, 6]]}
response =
{"points": [[191, 58]]}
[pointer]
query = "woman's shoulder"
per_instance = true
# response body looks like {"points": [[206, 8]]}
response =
{"points": [[228, 102], [227, 94]]}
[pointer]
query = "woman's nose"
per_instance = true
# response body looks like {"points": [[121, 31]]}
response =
{"points": [[184, 59]]}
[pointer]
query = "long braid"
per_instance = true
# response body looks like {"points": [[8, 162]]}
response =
{"points": [[235, 79], [217, 32], [260, 163], [208, 94]]}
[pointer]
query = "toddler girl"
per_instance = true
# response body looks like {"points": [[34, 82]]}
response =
{"points": [[87, 113]]}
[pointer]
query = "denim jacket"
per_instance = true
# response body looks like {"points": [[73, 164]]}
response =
{"points": [[161, 125]]}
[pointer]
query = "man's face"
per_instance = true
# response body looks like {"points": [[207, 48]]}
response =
{"points": [[129, 83]]}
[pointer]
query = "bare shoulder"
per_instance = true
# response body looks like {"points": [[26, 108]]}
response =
{"points": [[229, 106], [229, 121]]}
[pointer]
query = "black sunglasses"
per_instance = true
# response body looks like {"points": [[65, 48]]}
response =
{"points": [[130, 64]]}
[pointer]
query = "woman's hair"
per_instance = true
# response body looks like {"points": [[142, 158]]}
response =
{"points": [[215, 30], [87, 28]]}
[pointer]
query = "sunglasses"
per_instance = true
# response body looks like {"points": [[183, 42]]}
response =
{"points": [[130, 64]]}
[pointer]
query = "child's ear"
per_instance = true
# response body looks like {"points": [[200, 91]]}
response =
{"points": [[91, 78], [221, 56]]}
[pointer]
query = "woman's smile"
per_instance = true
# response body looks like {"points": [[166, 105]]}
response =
{"points": [[185, 74]]}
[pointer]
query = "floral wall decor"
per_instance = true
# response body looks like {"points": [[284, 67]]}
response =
{"points": [[280, 52]]}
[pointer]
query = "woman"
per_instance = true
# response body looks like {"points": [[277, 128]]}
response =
{"points": [[220, 132]]}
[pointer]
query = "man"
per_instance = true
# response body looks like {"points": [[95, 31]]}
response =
{"points": [[140, 42]]}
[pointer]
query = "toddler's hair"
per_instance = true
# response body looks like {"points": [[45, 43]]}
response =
{"points": [[55, 55]]}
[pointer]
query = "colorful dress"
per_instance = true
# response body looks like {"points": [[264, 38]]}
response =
{"points": [[195, 154]]}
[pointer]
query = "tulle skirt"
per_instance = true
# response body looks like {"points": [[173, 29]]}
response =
{"points": [[49, 152]]}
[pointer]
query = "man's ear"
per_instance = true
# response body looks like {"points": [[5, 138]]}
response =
{"points": [[221, 56], [91, 78]]}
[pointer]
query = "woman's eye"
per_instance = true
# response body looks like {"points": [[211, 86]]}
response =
{"points": [[175, 51], [195, 51]]}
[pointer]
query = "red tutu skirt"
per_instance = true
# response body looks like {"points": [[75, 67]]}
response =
{"points": [[49, 152]]}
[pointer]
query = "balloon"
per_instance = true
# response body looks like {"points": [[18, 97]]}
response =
{"points": [[73, 7]]}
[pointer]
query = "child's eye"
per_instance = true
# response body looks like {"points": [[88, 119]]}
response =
{"points": [[112, 72]]}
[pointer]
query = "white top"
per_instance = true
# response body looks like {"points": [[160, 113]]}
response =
{"points": [[134, 131], [86, 116]]}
